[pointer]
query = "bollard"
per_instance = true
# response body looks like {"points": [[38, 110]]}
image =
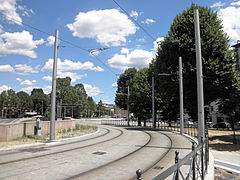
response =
{"points": [[176, 162], [139, 174]]}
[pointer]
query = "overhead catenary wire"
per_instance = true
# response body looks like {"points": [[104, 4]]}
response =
{"points": [[139, 25], [63, 40]]}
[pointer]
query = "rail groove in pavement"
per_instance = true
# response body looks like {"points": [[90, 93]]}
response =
{"points": [[59, 152]]}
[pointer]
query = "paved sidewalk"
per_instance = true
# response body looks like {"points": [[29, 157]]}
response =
{"points": [[229, 161]]}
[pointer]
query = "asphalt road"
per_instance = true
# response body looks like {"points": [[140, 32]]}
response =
{"points": [[112, 153]]}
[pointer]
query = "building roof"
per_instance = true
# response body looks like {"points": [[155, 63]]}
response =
{"points": [[236, 45]]}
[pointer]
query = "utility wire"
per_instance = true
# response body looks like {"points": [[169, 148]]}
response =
{"points": [[139, 25], [68, 42]]}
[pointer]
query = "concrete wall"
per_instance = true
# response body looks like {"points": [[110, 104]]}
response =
{"points": [[14, 130]]}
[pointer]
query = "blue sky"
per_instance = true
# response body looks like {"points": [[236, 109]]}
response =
{"points": [[26, 53]]}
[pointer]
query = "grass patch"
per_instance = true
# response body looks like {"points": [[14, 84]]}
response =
{"points": [[27, 137], [78, 130]]}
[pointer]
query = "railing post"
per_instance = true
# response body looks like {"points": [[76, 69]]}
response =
{"points": [[139, 174], [206, 149], [176, 162], [193, 161], [202, 162]]}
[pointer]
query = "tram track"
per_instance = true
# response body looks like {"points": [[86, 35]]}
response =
{"points": [[63, 151], [111, 162], [67, 143]]}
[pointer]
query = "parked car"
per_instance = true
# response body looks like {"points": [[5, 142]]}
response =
{"points": [[237, 125], [222, 125], [209, 124]]}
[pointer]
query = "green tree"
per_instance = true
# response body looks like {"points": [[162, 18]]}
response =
{"points": [[40, 100], [217, 62], [100, 108], [141, 96], [123, 82], [91, 106], [9, 102], [24, 102]]}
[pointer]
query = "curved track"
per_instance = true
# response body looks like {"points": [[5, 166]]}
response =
{"points": [[67, 150], [115, 154], [111, 162]]}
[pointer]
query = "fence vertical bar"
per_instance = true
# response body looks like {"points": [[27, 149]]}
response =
{"points": [[193, 162], [176, 162], [202, 159]]}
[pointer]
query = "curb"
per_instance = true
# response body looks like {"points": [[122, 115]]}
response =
{"points": [[46, 143]]}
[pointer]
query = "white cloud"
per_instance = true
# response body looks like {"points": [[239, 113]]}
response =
{"points": [[91, 90], [105, 101], [50, 40], [47, 89], [109, 27], [1, 29], [114, 84], [21, 43], [28, 89], [235, 3], [230, 18], [124, 51], [26, 12], [8, 8], [68, 65], [217, 5], [28, 82], [134, 14], [157, 42], [137, 58], [4, 88], [148, 21], [141, 40], [6, 68], [74, 76], [24, 69], [19, 79], [47, 78]]}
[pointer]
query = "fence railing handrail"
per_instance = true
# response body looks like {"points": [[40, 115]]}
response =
{"points": [[181, 162]]}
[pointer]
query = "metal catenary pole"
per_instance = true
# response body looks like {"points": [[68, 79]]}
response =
{"points": [[181, 96], [53, 97], [128, 106], [153, 105], [199, 77]]}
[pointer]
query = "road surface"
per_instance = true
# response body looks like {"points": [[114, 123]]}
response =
{"points": [[112, 153]]}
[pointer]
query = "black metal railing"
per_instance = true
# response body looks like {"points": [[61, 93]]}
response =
{"points": [[193, 166], [196, 162]]}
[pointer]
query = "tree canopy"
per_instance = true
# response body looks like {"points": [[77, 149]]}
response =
{"points": [[218, 72]]}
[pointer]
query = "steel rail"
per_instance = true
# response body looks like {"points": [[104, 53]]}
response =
{"points": [[59, 152], [73, 142], [111, 162]]}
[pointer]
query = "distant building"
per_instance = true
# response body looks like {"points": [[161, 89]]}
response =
{"points": [[237, 51], [215, 116]]}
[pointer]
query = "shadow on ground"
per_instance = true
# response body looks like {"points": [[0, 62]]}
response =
{"points": [[224, 143]]}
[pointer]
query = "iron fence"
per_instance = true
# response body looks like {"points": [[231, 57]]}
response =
{"points": [[193, 166]]}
